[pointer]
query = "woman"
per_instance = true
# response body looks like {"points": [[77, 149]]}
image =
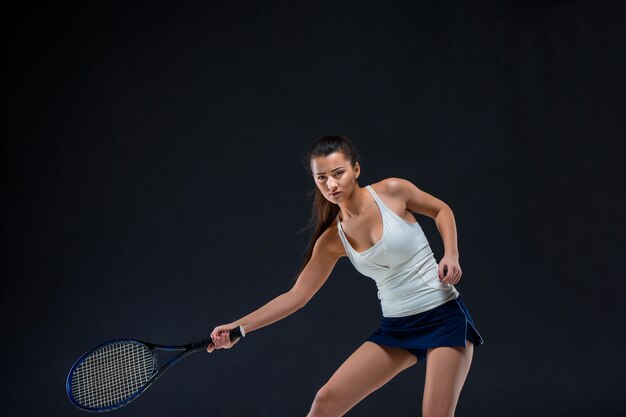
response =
{"points": [[423, 314]]}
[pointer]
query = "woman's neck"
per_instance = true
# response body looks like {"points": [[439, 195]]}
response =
{"points": [[354, 206]]}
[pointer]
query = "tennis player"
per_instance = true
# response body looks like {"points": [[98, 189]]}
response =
{"points": [[424, 317]]}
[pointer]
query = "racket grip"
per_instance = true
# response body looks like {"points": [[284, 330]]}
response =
{"points": [[234, 335]]}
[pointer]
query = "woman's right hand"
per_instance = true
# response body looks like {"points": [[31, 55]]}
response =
{"points": [[221, 339]]}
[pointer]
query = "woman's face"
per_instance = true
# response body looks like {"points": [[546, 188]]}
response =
{"points": [[334, 176]]}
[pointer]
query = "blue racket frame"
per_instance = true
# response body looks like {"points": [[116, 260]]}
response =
{"points": [[185, 350]]}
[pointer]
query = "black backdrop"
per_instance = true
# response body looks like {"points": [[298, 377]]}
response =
{"points": [[153, 187]]}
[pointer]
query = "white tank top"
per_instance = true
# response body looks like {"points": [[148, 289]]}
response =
{"points": [[402, 265]]}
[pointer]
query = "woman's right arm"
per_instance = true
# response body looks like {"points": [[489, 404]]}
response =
{"points": [[326, 251]]}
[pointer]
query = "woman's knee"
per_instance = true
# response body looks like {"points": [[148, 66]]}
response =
{"points": [[323, 403]]}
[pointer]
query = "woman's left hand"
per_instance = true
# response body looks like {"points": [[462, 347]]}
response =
{"points": [[449, 270]]}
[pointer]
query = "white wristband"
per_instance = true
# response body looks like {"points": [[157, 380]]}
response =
{"points": [[242, 331]]}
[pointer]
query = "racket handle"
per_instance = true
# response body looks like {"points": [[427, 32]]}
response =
{"points": [[234, 335]]}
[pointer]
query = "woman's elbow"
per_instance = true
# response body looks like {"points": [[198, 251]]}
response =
{"points": [[299, 299]]}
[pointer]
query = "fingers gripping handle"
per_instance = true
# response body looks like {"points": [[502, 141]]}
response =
{"points": [[234, 334]]}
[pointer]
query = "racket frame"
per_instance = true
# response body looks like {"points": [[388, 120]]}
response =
{"points": [[185, 350]]}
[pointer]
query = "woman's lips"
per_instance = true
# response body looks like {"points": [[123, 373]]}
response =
{"points": [[335, 194]]}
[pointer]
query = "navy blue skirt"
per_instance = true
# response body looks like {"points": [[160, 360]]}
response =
{"points": [[449, 324]]}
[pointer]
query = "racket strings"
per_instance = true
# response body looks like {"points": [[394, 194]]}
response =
{"points": [[112, 374]]}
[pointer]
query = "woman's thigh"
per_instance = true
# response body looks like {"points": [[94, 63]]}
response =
{"points": [[366, 370], [446, 370]]}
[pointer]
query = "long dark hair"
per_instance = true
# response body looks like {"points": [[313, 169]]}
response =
{"points": [[323, 212]]}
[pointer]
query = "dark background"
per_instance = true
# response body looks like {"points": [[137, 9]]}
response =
{"points": [[153, 187]]}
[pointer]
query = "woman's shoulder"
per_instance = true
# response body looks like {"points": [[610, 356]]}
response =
{"points": [[392, 186], [330, 241], [415, 199]]}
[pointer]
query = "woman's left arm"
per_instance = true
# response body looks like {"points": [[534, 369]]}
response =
{"points": [[423, 203]]}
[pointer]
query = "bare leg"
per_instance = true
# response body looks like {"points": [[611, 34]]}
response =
{"points": [[370, 367], [446, 370]]}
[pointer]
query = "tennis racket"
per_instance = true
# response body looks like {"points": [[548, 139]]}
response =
{"points": [[116, 372]]}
